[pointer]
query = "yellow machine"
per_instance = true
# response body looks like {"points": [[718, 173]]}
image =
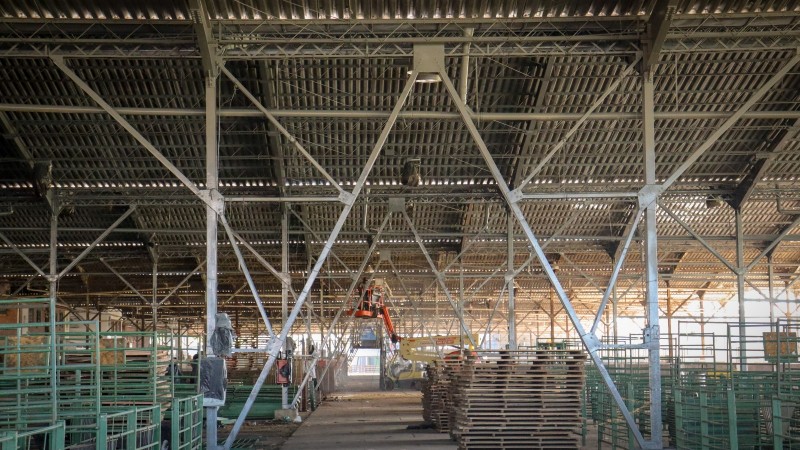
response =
{"points": [[406, 368]]}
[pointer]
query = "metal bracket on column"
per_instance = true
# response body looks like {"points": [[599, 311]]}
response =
{"points": [[648, 334], [649, 195], [214, 199], [347, 198], [592, 342], [397, 204], [515, 196]]}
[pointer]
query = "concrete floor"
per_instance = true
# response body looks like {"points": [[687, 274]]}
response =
{"points": [[360, 416]]}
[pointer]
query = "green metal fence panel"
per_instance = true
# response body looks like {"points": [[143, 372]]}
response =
{"points": [[741, 390], [186, 423], [46, 437], [110, 390]]}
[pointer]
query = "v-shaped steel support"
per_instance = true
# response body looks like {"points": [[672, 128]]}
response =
{"points": [[349, 201], [589, 340]]}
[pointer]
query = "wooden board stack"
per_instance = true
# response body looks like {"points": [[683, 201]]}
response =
{"points": [[431, 377], [436, 398], [523, 399]]}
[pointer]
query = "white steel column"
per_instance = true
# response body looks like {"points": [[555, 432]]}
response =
{"points": [[741, 270], [154, 297], [285, 288], [771, 287], [652, 332], [53, 279], [512, 307], [212, 184]]}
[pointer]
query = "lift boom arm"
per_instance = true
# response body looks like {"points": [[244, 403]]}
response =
{"points": [[429, 349], [387, 321]]}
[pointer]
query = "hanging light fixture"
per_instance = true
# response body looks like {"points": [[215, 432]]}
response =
{"points": [[428, 77], [410, 174], [713, 201]]}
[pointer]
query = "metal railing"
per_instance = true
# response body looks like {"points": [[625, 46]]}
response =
{"points": [[47, 437], [186, 423]]}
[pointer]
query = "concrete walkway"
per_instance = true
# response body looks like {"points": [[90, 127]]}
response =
{"points": [[362, 417]]}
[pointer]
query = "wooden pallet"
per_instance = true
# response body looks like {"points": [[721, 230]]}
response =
{"points": [[436, 407], [527, 399]]}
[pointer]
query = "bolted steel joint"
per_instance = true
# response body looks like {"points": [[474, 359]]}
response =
{"points": [[347, 198], [649, 195]]}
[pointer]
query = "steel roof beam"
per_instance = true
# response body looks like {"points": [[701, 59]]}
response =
{"points": [[410, 115], [763, 160], [712, 139], [369, 22], [117, 116], [206, 41], [656, 28]]}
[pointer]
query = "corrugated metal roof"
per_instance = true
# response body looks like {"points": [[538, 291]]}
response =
{"points": [[332, 72]]}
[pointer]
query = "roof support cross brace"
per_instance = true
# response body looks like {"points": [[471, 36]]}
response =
{"points": [[345, 303], [574, 129], [732, 119], [248, 277], [97, 241], [312, 276], [202, 195], [23, 256], [182, 282], [612, 282], [145, 301], [511, 198], [271, 118], [439, 278], [699, 239]]}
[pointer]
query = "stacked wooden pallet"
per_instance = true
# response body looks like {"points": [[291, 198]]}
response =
{"points": [[436, 397], [525, 400], [430, 380], [247, 361]]}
